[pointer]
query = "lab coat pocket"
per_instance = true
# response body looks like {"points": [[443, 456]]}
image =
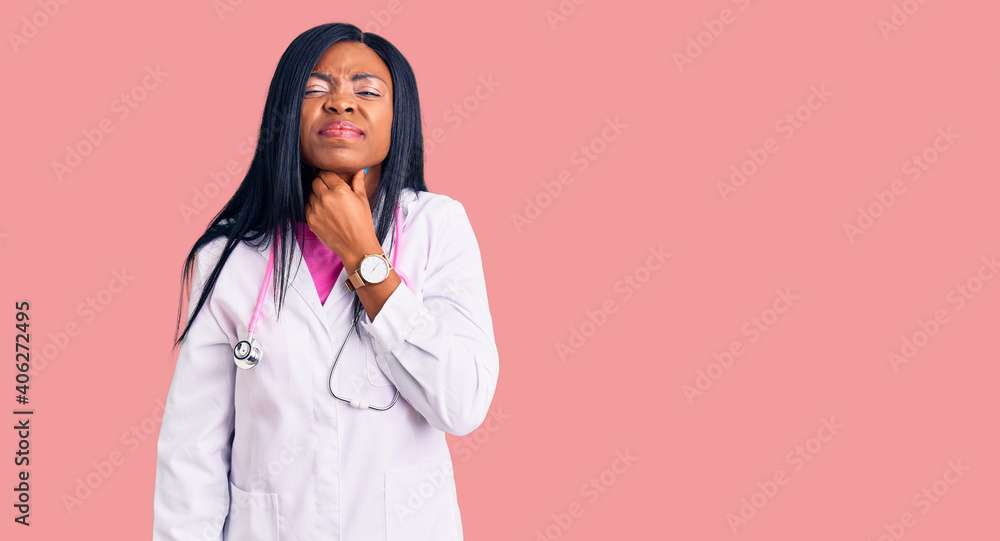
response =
{"points": [[421, 503], [252, 515]]}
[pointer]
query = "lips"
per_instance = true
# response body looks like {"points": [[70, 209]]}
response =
{"points": [[340, 128]]}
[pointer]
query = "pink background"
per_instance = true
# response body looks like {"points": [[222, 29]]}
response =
{"points": [[654, 184]]}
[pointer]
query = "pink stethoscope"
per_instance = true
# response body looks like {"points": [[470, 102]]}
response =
{"points": [[248, 353]]}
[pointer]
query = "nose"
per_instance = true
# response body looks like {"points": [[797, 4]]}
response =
{"points": [[340, 102]]}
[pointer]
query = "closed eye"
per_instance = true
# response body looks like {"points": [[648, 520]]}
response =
{"points": [[321, 91]]}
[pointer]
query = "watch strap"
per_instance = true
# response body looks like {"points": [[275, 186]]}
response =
{"points": [[354, 281]]}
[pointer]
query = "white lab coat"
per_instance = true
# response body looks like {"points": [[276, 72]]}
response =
{"points": [[268, 453]]}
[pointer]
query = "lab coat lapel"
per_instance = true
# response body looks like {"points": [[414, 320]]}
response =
{"points": [[301, 280]]}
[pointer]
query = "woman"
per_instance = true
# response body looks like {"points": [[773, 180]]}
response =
{"points": [[266, 450]]}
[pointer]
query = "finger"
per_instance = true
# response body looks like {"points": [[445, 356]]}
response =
{"points": [[319, 185], [313, 205], [358, 183]]}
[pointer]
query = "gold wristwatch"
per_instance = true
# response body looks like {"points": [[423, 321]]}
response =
{"points": [[374, 269]]}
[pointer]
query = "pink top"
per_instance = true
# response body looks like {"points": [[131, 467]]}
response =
{"points": [[323, 264]]}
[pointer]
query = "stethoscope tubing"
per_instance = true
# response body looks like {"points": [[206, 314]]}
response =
{"points": [[260, 296], [356, 403]]}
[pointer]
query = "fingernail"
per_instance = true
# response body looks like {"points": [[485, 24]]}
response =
{"points": [[366, 171]]}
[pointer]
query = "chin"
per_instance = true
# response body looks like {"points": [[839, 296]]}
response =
{"points": [[337, 166], [342, 169]]}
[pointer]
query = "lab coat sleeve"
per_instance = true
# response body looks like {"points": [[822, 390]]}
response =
{"points": [[191, 495], [440, 352]]}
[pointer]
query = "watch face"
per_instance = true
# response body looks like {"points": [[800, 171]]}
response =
{"points": [[374, 269]]}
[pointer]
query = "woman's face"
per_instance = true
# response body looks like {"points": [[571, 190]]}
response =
{"points": [[349, 84]]}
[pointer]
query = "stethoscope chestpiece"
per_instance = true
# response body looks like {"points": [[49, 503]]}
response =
{"points": [[247, 354]]}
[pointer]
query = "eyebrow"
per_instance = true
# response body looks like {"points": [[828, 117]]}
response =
{"points": [[354, 77]]}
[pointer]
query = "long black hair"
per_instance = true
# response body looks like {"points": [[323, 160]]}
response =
{"points": [[273, 193]]}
